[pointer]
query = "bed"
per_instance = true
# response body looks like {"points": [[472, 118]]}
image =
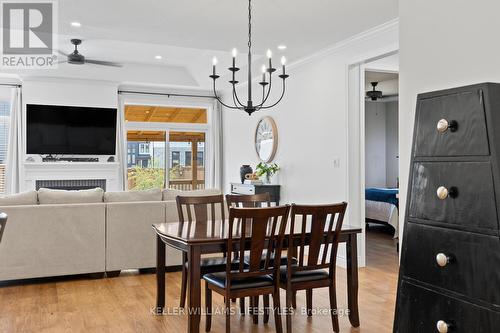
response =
{"points": [[382, 206]]}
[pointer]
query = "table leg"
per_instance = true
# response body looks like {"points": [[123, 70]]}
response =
{"points": [[352, 279], [194, 290], [160, 275]]}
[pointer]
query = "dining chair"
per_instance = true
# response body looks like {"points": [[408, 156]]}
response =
{"points": [[316, 236], [248, 201], [262, 231], [201, 209]]}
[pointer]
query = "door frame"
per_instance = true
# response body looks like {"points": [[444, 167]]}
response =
{"points": [[356, 141]]}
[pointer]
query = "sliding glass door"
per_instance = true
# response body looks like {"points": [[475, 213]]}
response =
{"points": [[166, 147], [187, 160]]}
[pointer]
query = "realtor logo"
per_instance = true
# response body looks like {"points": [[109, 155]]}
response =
{"points": [[28, 34]]}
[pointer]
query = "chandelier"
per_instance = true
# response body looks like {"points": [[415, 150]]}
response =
{"points": [[266, 82]]}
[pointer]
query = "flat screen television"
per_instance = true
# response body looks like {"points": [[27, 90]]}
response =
{"points": [[70, 130]]}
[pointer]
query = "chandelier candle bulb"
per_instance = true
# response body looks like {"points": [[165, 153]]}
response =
{"points": [[214, 63], [264, 73], [283, 63]]}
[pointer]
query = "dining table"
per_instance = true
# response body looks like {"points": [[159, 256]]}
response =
{"points": [[198, 238]]}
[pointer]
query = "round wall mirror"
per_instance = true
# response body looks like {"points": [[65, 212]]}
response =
{"points": [[266, 139]]}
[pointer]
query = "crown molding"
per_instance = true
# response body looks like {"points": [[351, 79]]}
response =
{"points": [[332, 49]]}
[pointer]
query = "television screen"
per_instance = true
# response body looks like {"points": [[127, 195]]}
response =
{"points": [[70, 130]]}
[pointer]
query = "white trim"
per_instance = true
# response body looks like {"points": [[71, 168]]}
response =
{"points": [[370, 33]]}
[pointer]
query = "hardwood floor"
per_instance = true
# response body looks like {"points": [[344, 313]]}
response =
{"points": [[123, 304]]}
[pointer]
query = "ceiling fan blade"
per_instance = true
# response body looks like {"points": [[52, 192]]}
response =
{"points": [[62, 62], [103, 63]]}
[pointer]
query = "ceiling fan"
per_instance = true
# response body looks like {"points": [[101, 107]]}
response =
{"points": [[76, 58], [376, 94]]}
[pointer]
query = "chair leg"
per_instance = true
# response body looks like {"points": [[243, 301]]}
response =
{"points": [[277, 312], [288, 310], [184, 278], [294, 299], [228, 315], [309, 301], [255, 312], [242, 306], [333, 308], [208, 306], [266, 308]]}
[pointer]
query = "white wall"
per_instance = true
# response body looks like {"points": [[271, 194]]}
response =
{"points": [[391, 144], [311, 120], [443, 44], [381, 144], [375, 144]]}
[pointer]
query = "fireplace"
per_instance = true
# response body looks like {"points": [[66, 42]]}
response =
{"points": [[71, 184]]}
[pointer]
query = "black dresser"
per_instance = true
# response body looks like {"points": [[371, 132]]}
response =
{"points": [[449, 279]]}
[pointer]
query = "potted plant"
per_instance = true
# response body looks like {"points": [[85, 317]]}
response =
{"points": [[267, 170]]}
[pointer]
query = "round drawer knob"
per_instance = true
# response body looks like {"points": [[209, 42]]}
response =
{"points": [[443, 125], [442, 259], [442, 326], [442, 192]]}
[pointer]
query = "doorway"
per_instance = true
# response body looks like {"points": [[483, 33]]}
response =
{"points": [[358, 85], [381, 151]]}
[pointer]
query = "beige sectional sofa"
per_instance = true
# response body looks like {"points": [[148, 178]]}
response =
{"points": [[53, 232]]}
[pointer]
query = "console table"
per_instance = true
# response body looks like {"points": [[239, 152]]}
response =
{"points": [[273, 190]]}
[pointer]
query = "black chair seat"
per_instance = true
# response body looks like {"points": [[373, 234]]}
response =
{"points": [[219, 280], [215, 264], [303, 276]]}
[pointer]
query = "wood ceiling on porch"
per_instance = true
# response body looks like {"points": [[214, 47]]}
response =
{"points": [[163, 114], [159, 136]]}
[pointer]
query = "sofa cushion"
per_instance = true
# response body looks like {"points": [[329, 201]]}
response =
{"points": [[50, 196], [19, 199], [171, 194], [132, 196]]}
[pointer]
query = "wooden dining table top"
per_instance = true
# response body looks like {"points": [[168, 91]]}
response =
{"points": [[214, 231]]}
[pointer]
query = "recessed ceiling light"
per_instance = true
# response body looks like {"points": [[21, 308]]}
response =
{"points": [[76, 24], [158, 57], [281, 47]]}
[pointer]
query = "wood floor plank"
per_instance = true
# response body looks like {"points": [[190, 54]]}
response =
{"points": [[124, 304]]}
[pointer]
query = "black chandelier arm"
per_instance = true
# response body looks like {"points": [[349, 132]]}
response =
{"points": [[235, 97], [279, 100], [264, 99], [221, 102]]}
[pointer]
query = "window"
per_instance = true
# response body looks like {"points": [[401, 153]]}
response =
{"points": [[187, 158], [159, 164], [176, 158], [144, 148]]}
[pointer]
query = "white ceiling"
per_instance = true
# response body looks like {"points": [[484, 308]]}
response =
{"points": [[188, 33]]}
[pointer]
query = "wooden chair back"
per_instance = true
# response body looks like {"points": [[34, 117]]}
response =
{"points": [[248, 200], [262, 230], [318, 231], [200, 208]]}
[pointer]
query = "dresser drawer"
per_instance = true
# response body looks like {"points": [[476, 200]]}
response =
{"points": [[466, 135], [473, 263], [471, 198], [420, 310], [242, 189]]}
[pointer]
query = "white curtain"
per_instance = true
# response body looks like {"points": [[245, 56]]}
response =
{"points": [[121, 143], [214, 158], [15, 149]]}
